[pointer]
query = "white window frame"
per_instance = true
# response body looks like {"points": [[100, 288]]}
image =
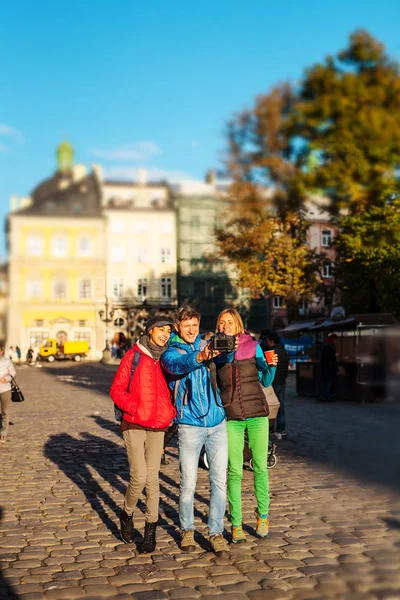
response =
{"points": [[326, 238], [117, 253], [117, 227], [56, 283], [82, 288], [142, 255], [34, 244], [166, 288], [118, 287], [34, 289], [142, 286], [82, 251], [59, 245], [37, 334], [166, 256], [165, 227], [141, 226], [277, 302], [327, 269]]}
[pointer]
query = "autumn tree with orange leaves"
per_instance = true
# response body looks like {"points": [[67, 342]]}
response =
{"points": [[336, 134]]}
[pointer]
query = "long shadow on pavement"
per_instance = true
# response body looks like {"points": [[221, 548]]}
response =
{"points": [[361, 440], [78, 457]]}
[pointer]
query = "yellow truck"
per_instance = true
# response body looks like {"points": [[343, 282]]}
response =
{"points": [[50, 350]]}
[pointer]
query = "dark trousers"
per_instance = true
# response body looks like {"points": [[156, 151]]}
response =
{"points": [[279, 390]]}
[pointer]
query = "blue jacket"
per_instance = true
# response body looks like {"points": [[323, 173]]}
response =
{"points": [[190, 381]]}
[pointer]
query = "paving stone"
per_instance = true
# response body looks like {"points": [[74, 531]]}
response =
{"points": [[184, 592]]}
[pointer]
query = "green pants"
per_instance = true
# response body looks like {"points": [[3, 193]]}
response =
{"points": [[257, 432]]}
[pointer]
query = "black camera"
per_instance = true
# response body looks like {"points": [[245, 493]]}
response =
{"points": [[222, 342]]}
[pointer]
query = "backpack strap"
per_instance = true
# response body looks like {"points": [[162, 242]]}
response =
{"points": [[135, 361]]}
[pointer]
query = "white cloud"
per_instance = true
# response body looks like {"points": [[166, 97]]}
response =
{"points": [[140, 151], [11, 132], [153, 174]]}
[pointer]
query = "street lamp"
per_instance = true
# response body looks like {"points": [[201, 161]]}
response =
{"points": [[106, 317]]}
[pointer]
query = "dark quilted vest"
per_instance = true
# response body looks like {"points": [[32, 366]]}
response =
{"points": [[241, 392]]}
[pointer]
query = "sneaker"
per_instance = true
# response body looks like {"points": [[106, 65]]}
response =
{"points": [[238, 534], [187, 541], [127, 530], [219, 545], [262, 525]]}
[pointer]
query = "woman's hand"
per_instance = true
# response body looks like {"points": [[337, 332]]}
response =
{"points": [[275, 360]]}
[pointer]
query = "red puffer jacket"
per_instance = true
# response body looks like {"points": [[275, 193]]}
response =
{"points": [[148, 402]]}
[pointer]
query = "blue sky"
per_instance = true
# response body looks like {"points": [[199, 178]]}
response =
{"points": [[151, 84]]}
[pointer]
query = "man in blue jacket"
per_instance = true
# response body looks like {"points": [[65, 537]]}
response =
{"points": [[201, 421]]}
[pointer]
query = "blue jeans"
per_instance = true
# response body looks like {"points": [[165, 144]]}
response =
{"points": [[191, 441], [280, 420]]}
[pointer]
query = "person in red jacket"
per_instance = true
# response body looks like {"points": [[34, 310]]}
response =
{"points": [[147, 411]]}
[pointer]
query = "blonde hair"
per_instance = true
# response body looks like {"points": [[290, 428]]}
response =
{"points": [[235, 316]]}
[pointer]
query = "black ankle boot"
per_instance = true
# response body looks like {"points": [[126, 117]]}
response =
{"points": [[127, 531], [149, 543]]}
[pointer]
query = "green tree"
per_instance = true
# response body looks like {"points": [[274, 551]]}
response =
{"points": [[338, 134]]}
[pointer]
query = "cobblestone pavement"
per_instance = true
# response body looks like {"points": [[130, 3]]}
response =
{"points": [[335, 513]]}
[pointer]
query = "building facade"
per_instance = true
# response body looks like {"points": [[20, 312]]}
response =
{"points": [[56, 278], [141, 261]]}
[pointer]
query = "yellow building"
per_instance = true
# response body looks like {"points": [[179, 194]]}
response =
{"points": [[57, 261]]}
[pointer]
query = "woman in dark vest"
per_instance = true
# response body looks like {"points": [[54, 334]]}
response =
{"points": [[240, 375]]}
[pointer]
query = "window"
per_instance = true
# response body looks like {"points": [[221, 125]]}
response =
{"points": [[166, 255], [39, 322], [60, 289], [34, 245], [85, 288], [119, 322], [33, 288], [277, 302], [84, 246], [141, 226], [142, 287], [117, 227], [82, 335], [327, 269], [196, 250], [303, 308], [142, 255], [81, 323], [117, 253], [59, 246], [195, 221], [118, 287], [36, 338], [165, 227], [326, 238], [166, 287]]}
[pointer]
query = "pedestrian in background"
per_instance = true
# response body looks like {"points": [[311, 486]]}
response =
{"points": [[147, 411], [270, 340], [201, 422], [240, 375], [18, 353], [7, 371]]}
